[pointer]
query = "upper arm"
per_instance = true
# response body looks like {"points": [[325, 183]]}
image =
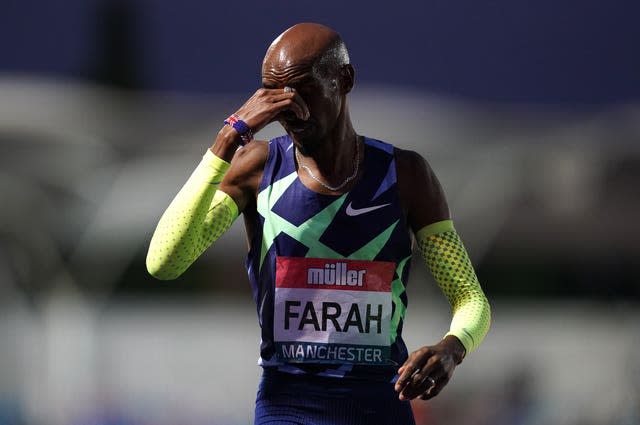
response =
{"points": [[243, 177], [421, 194]]}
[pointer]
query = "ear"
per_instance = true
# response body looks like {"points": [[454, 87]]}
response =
{"points": [[347, 78]]}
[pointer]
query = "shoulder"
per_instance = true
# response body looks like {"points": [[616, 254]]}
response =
{"points": [[249, 159], [256, 151], [243, 177], [420, 191], [409, 159], [404, 158], [413, 168]]}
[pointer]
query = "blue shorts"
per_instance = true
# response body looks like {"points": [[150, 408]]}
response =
{"points": [[311, 400]]}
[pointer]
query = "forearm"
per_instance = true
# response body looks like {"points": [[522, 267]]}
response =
{"points": [[226, 143], [197, 216], [450, 265]]}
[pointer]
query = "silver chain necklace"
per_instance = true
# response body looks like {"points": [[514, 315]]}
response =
{"points": [[341, 185]]}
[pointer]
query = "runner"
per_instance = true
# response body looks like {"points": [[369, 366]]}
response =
{"points": [[329, 216]]}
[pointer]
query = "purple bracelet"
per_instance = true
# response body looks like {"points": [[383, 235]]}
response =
{"points": [[245, 132]]}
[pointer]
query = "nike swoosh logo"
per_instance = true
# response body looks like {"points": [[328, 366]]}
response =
{"points": [[354, 212]]}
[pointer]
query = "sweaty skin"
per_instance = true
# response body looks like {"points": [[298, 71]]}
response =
{"points": [[315, 114]]}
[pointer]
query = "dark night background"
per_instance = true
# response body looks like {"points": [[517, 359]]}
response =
{"points": [[574, 53]]}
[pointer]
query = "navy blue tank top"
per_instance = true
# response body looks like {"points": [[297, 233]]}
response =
{"points": [[329, 272]]}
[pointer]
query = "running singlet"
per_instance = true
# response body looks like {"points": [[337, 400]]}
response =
{"points": [[328, 272]]}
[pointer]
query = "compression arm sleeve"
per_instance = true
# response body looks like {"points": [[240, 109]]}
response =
{"points": [[197, 216], [449, 263]]}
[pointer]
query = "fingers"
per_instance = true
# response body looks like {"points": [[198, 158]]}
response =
{"points": [[266, 104], [435, 389], [300, 110], [406, 372], [295, 103], [412, 374], [279, 100], [419, 381], [424, 374]]}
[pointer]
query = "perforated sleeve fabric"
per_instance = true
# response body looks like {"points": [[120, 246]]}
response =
{"points": [[449, 263], [197, 216]]}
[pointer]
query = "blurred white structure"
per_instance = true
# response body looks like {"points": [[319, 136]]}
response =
{"points": [[170, 364], [86, 172]]}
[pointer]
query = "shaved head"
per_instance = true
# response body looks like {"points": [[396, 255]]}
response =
{"points": [[311, 61], [306, 45]]}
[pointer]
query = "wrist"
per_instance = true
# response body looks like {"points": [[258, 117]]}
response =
{"points": [[245, 132], [454, 347], [226, 144]]}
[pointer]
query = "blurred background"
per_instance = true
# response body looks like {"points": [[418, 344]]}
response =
{"points": [[529, 112]]}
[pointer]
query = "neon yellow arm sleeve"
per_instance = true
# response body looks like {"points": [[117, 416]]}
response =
{"points": [[197, 216], [449, 263]]}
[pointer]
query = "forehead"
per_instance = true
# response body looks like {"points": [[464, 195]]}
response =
{"points": [[281, 68]]}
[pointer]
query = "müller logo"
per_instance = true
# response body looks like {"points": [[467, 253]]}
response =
{"points": [[335, 274]]}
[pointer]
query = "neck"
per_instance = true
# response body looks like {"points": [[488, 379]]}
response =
{"points": [[334, 157], [336, 166]]}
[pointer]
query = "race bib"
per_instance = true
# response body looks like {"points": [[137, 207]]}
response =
{"points": [[332, 311]]}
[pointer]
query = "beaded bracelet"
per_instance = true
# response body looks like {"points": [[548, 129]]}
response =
{"points": [[245, 132]]}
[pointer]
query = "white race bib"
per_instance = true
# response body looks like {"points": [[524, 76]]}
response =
{"points": [[333, 311]]}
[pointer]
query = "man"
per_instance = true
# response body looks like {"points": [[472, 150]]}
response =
{"points": [[328, 215]]}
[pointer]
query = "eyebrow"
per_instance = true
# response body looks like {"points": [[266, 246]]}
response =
{"points": [[294, 82]]}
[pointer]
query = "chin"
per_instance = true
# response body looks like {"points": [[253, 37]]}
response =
{"points": [[306, 143], [307, 146]]}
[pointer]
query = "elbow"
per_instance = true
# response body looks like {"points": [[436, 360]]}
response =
{"points": [[162, 270], [162, 275]]}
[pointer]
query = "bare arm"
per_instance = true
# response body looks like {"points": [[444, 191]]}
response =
{"points": [[420, 191], [428, 369]]}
